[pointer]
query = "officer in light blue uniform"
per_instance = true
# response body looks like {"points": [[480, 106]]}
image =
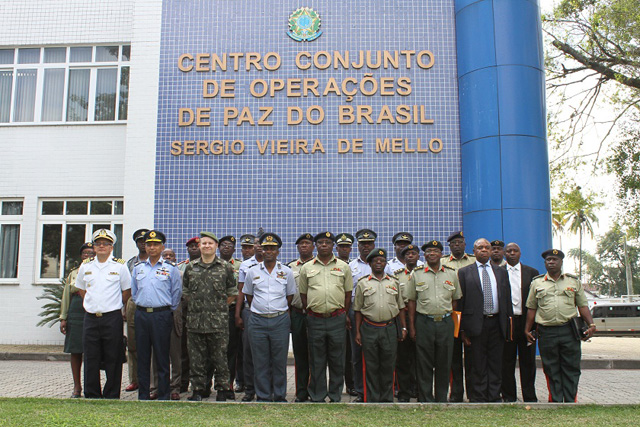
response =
{"points": [[156, 289]]}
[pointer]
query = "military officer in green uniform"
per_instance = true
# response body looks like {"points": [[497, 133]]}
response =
{"points": [[433, 292], [377, 303], [344, 245], [209, 284], [555, 298], [458, 259], [497, 253], [325, 285]]}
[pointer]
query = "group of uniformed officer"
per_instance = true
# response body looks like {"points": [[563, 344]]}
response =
{"points": [[403, 320]]}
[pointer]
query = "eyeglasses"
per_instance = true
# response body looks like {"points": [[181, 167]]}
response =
{"points": [[102, 244]]}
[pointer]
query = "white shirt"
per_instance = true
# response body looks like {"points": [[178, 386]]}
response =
{"points": [[395, 264], [104, 283], [359, 269], [269, 290], [515, 280], [494, 284]]}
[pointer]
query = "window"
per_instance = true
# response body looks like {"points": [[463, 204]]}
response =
{"points": [[64, 84], [64, 225], [10, 220]]}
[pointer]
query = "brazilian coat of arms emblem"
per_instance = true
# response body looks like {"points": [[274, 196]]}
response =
{"points": [[304, 25]]}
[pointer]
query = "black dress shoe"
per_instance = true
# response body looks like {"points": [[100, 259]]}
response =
{"points": [[195, 397], [298, 400], [76, 396], [229, 394], [359, 399], [403, 399], [239, 388], [221, 396], [248, 397], [206, 393], [352, 391]]}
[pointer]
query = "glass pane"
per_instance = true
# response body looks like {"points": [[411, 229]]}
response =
{"points": [[106, 94], [126, 53], [55, 55], [124, 94], [77, 208], [25, 100], [50, 256], [9, 246], [117, 248], [6, 56], [11, 208], [107, 53], [75, 239], [29, 56], [6, 84], [101, 208], [118, 207], [80, 54], [52, 208], [53, 95], [97, 227], [78, 97]]}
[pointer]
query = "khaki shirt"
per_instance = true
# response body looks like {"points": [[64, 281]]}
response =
{"points": [[295, 266], [457, 264], [402, 276], [378, 300], [325, 285], [433, 291], [68, 291], [555, 302]]}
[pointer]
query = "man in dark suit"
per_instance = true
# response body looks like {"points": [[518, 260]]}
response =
{"points": [[486, 309], [520, 276]]}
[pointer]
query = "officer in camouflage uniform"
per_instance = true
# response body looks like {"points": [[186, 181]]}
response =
{"points": [[433, 292], [208, 285], [552, 303]]}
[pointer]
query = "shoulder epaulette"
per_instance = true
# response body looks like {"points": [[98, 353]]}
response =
{"points": [[139, 262], [573, 276], [118, 260], [393, 276], [171, 263], [538, 276], [362, 278], [88, 260], [398, 271], [290, 263], [448, 267]]}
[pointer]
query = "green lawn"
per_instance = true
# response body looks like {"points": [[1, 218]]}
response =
{"points": [[50, 412]]}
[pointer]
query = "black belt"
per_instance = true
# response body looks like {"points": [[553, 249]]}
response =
{"points": [[554, 326], [100, 314], [490, 316], [153, 309]]}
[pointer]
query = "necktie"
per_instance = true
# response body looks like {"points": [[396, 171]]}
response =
{"points": [[486, 290]]}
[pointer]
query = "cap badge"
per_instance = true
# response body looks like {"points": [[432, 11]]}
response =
{"points": [[365, 235], [434, 243], [269, 238], [404, 236], [152, 234], [555, 252], [381, 252], [328, 234], [461, 233]]}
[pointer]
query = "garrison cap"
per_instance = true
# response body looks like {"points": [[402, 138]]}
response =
{"points": [[499, 243], [155, 236], [403, 236], [376, 253], [229, 238], [193, 240], [210, 235], [305, 236], [325, 235], [409, 248], [432, 244], [139, 234], [553, 252], [103, 233], [345, 239], [455, 235], [247, 239], [366, 235], [270, 239], [87, 245]]}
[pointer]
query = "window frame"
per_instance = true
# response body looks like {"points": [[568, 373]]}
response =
{"points": [[12, 220]]}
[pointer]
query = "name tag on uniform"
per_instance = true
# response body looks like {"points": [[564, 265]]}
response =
{"points": [[86, 273]]}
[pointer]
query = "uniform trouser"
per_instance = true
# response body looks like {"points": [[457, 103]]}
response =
{"points": [[269, 347], [348, 366], [434, 347], [102, 343], [560, 353], [405, 366], [379, 346], [527, 360], [234, 351], [326, 347], [460, 378], [356, 356], [132, 356], [486, 362], [153, 331], [300, 353], [247, 358], [184, 375], [175, 356], [208, 353]]}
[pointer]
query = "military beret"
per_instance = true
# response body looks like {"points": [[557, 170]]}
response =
{"points": [[155, 236], [402, 237], [193, 240], [553, 252], [366, 235], [326, 235], [455, 235], [270, 239], [499, 243], [229, 238], [376, 253], [409, 248], [345, 239], [210, 235], [432, 244], [87, 245], [305, 236], [103, 233], [247, 239], [139, 234]]}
